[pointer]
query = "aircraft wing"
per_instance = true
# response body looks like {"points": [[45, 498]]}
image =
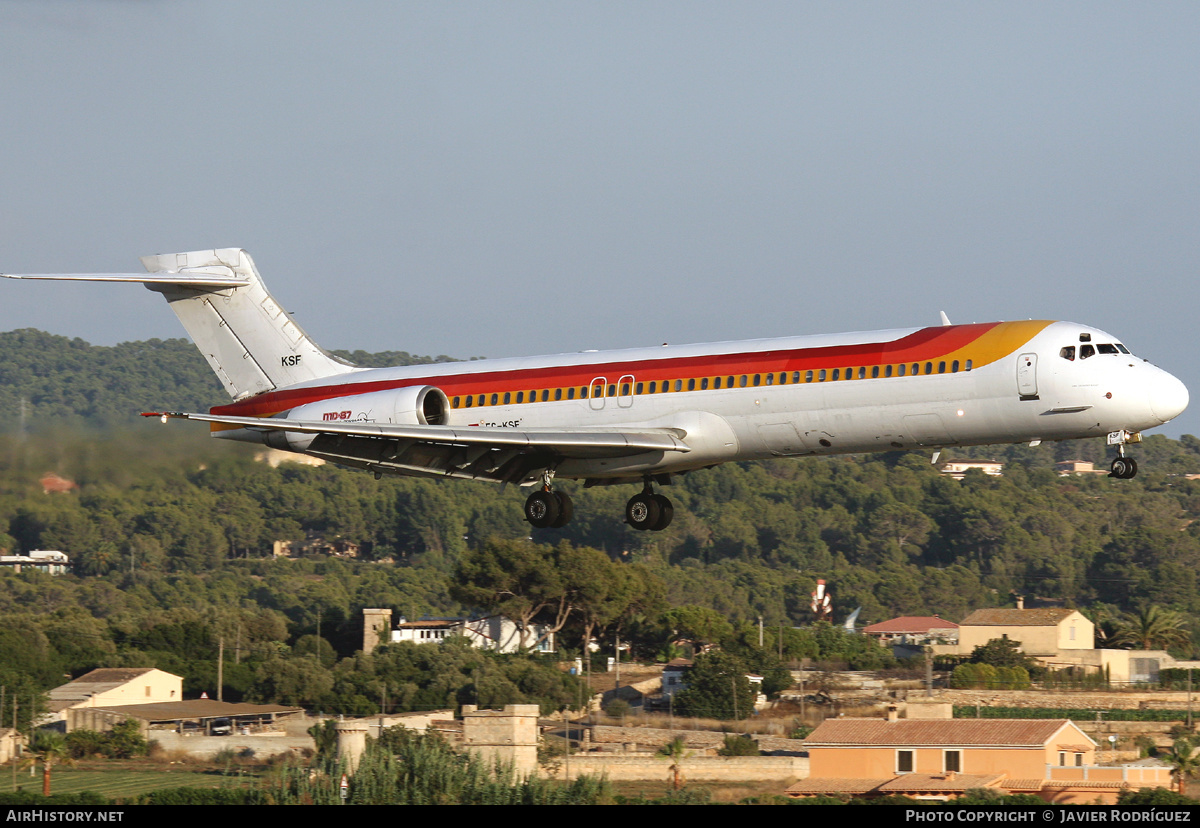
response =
{"points": [[506, 455]]}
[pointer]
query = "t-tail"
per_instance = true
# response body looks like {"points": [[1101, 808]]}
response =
{"points": [[249, 340]]}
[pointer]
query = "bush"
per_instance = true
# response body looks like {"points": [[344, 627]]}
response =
{"points": [[739, 746], [617, 708]]}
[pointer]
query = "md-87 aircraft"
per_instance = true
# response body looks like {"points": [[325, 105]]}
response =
{"points": [[642, 415]]}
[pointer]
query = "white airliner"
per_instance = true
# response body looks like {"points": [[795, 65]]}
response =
{"points": [[645, 414]]}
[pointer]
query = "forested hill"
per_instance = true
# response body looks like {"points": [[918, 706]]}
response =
{"points": [[69, 380]]}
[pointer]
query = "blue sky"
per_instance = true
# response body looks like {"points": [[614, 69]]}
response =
{"points": [[519, 178]]}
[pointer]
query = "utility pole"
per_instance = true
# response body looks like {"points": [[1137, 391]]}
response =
{"points": [[221, 668], [617, 662]]}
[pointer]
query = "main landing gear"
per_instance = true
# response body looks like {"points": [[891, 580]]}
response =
{"points": [[649, 511], [548, 509]]}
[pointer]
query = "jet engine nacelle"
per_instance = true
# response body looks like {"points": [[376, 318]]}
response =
{"points": [[414, 405]]}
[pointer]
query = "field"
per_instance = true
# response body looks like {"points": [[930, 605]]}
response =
{"points": [[118, 779]]}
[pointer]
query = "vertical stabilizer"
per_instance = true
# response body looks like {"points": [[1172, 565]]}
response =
{"points": [[249, 340]]}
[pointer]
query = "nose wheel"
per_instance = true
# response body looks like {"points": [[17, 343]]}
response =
{"points": [[649, 511], [1124, 468]]}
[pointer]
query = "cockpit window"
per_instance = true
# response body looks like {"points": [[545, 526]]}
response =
{"points": [[1086, 351], [1106, 348], [1122, 348], [1068, 353]]}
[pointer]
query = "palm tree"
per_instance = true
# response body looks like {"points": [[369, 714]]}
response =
{"points": [[1153, 628], [676, 752], [1184, 760], [48, 748]]}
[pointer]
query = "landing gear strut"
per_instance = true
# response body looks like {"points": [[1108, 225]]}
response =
{"points": [[548, 509], [1123, 468], [649, 511]]}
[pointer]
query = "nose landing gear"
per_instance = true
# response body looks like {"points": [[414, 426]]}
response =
{"points": [[1123, 468]]}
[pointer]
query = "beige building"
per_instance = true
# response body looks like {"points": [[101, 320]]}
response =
{"points": [[942, 759], [1041, 633], [116, 686]]}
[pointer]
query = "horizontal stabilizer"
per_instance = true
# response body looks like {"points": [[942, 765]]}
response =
{"points": [[201, 281]]}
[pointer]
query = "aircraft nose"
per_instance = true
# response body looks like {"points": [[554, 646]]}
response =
{"points": [[1168, 396]]}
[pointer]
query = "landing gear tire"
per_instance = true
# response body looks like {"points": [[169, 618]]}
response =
{"points": [[666, 512], [542, 509], [1124, 468], [643, 512], [566, 510]]}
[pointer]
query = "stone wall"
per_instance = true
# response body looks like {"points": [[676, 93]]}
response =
{"points": [[696, 769], [633, 739]]}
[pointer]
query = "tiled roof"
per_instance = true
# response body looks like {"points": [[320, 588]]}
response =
{"points": [[898, 784], [835, 786], [911, 624], [922, 782], [1045, 617], [1022, 784], [936, 732]]}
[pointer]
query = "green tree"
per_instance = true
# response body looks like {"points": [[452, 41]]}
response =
{"points": [[717, 688]]}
